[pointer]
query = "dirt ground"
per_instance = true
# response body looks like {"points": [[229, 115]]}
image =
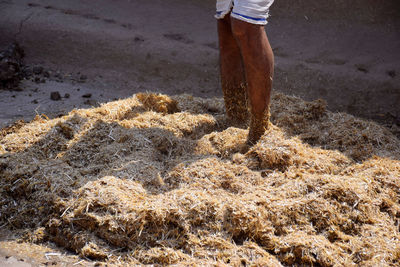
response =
{"points": [[94, 52]]}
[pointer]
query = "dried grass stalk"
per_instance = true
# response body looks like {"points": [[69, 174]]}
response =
{"points": [[154, 179]]}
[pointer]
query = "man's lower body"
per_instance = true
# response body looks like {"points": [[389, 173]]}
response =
{"points": [[246, 62]]}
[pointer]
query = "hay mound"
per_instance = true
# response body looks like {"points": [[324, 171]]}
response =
{"points": [[154, 179], [158, 103]]}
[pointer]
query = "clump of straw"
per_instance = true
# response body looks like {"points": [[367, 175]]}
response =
{"points": [[154, 179]]}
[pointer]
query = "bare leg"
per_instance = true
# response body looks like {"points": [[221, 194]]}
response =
{"points": [[232, 73], [258, 62]]}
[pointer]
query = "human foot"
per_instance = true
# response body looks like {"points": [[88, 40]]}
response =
{"points": [[259, 123]]}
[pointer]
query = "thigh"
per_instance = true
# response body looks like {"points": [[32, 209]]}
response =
{"points": [[252, 11], [223, 8]]}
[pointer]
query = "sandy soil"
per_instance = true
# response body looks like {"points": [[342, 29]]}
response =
{"points": [[348, 55]]}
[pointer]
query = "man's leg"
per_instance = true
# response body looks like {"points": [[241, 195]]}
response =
{"points": [[232, 73], [258, 62]]}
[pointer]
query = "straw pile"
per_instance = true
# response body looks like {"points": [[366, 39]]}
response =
{"points": [[160, 180]]}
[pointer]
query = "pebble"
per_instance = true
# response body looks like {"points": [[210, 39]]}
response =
{"points": [[139, 39], [55, 96], [82, 78], [87, 95], [90, 102], [391, 73], [37, 69], [28, 71]]}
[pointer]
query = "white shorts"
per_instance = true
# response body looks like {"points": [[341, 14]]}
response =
{"points": [[252, 11]]}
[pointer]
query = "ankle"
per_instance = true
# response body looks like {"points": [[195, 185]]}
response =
{"points": [[259, 123]]}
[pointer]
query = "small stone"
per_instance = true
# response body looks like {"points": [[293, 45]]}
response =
{"points": [[139, 39], [37, 69], [391, 73], [55, 96], [58, 75], [28, 71], [34, 101], [87, 95], [362, 68], [83, 77], [66, 95], [90, 102]]}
